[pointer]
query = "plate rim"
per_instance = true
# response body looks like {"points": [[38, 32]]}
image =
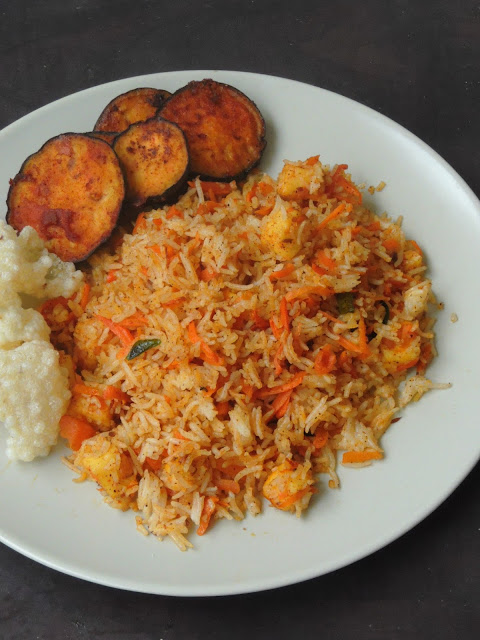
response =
{"points": [[253, 585]]}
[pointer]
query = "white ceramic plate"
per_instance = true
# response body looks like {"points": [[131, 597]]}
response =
{"points": [[64, 525]]}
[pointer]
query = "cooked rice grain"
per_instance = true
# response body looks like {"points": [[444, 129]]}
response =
{"points": [[204, 433]]}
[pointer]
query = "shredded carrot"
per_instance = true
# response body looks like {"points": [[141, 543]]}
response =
{"points": [[373, 226], [144, 270], [178, 435], [111, 275], [324, 261], [206, 207], [113, 393], [328, 316], [320, 439], [284, 317], [121, 353], [286, 500], [156, 248], [281, 402], [85, 390], [259, 322], [338, 171], [208, 274], [75, 431], [85, 295], [303, 292], [391, 244], [331, 216], [140, 224], [158, 222], [416, 247], [264, 211], [282, 273], [277, 331], [325, 360], [170, 252], [213, 189], [173, 365], [173, 303], [361, 456], [281, 388], [222, 408], [232, 469], [278, 358], [134, 321], [174, 211], [228, 485], [349, 188], [154, 465], [48, 306], [406, 333], [264, 187], [361, 346], [210, 356], [121, 332], [312, 160], [208, 511], [192, 333], [251, 193], [407, 365]]}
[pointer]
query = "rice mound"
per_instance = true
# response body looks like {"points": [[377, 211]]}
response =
{"points": [[283, 316]]}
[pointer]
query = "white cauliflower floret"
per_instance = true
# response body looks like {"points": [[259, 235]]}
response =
{"points": [[416, 300], [34, 396], [19, 325], [27, 267]]}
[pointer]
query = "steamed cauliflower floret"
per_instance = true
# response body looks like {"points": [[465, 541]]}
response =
{"points": [[33, 397], [416, 300], [279, 231], [300, 181], [19, 325], [27, 267]]}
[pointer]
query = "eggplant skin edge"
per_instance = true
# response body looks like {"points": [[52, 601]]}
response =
{"points": [[114, 214], [262, 142], [159, 100]]}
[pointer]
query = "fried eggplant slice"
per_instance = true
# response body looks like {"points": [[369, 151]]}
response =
{"points": [[225, 130], [71, 191], [106, 136], [130, 107], [155, 160]]}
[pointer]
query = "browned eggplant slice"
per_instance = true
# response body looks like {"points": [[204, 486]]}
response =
{"points": [[225, 130], [130, 107], [71, 192], [106, 136], [154, 158]]}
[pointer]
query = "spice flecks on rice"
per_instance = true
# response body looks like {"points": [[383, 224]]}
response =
{"points": [[278, 320]]}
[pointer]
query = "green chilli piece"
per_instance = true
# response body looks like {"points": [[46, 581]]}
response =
{"points": [[141, 346], [345, 302]]}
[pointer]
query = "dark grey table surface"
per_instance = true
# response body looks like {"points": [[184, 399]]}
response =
{"points": [[416, 62]]}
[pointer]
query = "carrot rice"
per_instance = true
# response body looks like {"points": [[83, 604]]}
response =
{"points": [[275, 326]]}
